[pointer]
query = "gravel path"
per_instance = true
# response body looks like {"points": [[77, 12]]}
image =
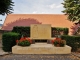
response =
{"points": [[39, 57]]}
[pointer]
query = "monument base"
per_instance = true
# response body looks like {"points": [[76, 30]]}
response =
{"points": [[41, 48]]}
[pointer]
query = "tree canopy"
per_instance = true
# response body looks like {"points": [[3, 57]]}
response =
{"points": [[72, 9], [6, 7]]}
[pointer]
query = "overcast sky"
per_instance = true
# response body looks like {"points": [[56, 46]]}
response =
{"points": [[36, 7]]}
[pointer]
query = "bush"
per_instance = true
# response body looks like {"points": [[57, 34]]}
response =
{"points": [[25, 31], [9, 40], [73, 41]]}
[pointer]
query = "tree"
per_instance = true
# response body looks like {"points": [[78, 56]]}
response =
{"points": [[6, 7], [72, 9]]}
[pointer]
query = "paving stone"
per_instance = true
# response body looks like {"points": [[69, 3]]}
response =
{"points": [[2, 52]]}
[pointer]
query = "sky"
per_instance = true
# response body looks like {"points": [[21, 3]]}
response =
{"points": [[36, 7]]}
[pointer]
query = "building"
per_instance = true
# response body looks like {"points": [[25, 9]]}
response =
{"points": [[56, 20]]}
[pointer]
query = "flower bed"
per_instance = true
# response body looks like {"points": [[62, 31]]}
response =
{"points": [[24, 41], [58, 42]]}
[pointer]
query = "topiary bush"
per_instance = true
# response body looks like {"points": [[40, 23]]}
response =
{"points": [[73, 41], [9, 40]]}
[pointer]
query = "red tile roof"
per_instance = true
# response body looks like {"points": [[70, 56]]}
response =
{"points": [[56, 20]]}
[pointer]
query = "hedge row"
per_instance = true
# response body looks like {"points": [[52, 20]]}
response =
{"points": [[9, 40], [25, 31], [73, 41]]}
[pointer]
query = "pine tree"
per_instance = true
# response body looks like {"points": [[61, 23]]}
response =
{"points": [[6, 7]]}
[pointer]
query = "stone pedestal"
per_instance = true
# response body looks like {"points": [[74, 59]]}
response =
{"points": [[41, 48]]}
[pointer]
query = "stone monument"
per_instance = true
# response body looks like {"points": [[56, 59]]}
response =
{"points": [[41, 31]]}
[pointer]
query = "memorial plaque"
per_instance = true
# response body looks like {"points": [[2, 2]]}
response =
{"points": [[40, 31]]}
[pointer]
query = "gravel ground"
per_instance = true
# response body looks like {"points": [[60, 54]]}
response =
{"points": [[40, 57], [76, 54]]}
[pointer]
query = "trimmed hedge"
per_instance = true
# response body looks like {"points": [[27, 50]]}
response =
{"points": [[9, 40], [25, 31], [73, 41], [65, 30]]}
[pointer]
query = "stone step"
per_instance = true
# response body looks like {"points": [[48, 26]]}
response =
{"points": [[41, 48]]}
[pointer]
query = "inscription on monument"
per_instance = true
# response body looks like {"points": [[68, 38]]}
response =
{"points": [[40, 31]]}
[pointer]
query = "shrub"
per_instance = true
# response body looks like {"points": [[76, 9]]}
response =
{"points": [[8, 40], [73, 41]]}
